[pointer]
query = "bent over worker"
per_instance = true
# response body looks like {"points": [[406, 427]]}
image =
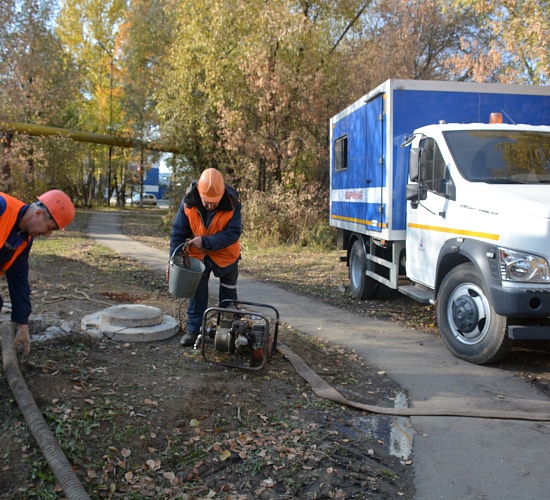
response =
{"points": [[210, 218], [19, 224]]}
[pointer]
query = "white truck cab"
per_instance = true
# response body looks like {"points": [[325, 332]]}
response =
{"points": [[478, 233]]}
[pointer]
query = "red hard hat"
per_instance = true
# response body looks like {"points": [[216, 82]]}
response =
{"points": [[59, 205], [211, 185]]}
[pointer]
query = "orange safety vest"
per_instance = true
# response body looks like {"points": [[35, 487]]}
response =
{"points": [[222, 257], [7, 221]]}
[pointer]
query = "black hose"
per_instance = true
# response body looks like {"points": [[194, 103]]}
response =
{"points": [[55, 457]]}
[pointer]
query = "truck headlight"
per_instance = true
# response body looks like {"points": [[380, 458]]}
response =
{"points": [[524, 267]]}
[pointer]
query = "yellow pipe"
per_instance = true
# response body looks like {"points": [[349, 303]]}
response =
{"points": [[75, 135]]}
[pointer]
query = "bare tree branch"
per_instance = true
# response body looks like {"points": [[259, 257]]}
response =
{"points": [[350, 25]]}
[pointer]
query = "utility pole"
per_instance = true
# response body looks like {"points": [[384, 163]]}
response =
{"points": [[109, 167]]}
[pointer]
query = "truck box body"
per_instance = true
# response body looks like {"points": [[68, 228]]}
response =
{"points": [[368, 196], [433, 200]]}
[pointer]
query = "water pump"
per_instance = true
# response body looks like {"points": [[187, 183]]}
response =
{"points": [[236, 334]]}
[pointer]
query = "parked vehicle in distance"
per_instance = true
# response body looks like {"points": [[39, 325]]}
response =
{"points": [[148, 200]]}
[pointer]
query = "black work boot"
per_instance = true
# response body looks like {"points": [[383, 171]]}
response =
{"points": [[189, 339]]}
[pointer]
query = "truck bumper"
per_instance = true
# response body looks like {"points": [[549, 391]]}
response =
{"points": [[521, 302], [521, 332], [528, 303]]}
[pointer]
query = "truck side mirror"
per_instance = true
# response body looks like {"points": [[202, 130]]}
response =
{"points": [[416, 193], [415, 161]]}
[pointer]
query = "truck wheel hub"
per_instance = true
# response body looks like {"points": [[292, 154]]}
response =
{"points": [[465, 314]]}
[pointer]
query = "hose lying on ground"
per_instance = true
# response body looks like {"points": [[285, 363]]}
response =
{"points": [[326, 391], [55, 457]]}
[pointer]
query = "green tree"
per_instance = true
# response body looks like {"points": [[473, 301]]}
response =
{"points": [[144, 37], [248, 87], [36, 88], [89, 32], [518, 48]]}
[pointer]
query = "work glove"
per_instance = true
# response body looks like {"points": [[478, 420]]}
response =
{"points": [[22, 338]]}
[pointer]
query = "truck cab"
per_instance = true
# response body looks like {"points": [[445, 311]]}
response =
{"points": [[478, 233]]}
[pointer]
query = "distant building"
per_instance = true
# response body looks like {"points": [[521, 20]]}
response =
{"points": [[154, 182], [151, 182]]}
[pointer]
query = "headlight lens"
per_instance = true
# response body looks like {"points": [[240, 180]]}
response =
{"points": [[524, 267]]}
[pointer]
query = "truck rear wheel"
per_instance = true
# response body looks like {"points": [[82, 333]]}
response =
{"points": [[468, 323], [363, 287]]}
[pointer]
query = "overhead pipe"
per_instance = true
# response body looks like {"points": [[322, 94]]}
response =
{"points": [[76, 135]]}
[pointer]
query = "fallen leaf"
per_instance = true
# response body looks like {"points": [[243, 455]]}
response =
{"points": [[224, 455], [153, 464]]}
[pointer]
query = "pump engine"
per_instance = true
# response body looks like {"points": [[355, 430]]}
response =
{"points": [[236, 336]]}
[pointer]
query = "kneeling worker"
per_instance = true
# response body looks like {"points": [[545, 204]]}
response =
{"points": [[210, 217], [19, 224]]}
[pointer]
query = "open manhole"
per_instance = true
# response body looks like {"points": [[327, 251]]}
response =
{"points": [[130, 323]]}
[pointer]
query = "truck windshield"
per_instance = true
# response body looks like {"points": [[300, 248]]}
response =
{"points": [[501, 156]]}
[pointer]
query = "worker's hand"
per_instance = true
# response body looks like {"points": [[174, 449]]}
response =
{"points": [[22, 337], [196, 242]]}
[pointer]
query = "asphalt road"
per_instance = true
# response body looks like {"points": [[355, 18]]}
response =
{"points": [[453, 457]]}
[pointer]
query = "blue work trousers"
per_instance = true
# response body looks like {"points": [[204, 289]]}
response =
{"points": [[199, 301]]}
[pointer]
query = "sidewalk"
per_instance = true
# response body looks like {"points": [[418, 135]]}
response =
{"points": [[454, 457]]}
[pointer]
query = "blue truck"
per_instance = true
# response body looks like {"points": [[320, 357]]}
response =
{"points": [[441, 191]]}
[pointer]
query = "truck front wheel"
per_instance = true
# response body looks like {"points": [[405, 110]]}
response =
{"points": [[363, 287], [468, 323]]}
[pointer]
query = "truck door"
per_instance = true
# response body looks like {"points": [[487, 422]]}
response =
{"points": [[375, 179], [426, 224]]}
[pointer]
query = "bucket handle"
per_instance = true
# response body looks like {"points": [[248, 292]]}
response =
{"points": [[185, 253]]}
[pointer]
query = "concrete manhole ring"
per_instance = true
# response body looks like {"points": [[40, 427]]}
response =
{"points": [[130, 323]]}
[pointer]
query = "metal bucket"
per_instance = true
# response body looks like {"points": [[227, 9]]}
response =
{"points": [[183, 281]]}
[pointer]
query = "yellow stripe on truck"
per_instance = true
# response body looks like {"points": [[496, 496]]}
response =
{"points": [[462, 232], [358, 221]]}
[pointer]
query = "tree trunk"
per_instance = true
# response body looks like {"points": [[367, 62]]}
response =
{"points": [[7, 138]]}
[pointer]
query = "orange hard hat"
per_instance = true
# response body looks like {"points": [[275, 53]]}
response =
{"points": [[211, 186], [59, 205]]}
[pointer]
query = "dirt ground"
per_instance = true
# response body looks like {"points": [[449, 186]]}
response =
{"points": [[154, 420]]}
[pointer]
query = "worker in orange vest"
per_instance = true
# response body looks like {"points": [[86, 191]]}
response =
{"points": [[20, 223], [210, 218]]}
